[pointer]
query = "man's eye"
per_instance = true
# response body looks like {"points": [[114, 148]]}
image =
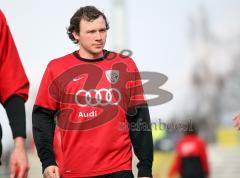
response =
{"points": [[103, 30], [92, 31]]}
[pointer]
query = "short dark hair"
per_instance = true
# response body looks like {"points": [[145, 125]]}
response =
{"points": [[88, 13]]}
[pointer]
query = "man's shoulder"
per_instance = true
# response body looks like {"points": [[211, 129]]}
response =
{"points": [[60, 60], [59, 64]]}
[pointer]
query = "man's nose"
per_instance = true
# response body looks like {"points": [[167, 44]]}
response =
{"points": [[98, 36]]}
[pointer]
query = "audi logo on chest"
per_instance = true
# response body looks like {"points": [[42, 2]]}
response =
{"points": [[94, 97]]}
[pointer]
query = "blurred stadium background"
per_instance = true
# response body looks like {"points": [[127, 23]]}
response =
{"points": [[195, 43]]}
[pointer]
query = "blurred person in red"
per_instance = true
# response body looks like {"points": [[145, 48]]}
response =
{"points": [[191, 159], [14, 88]]}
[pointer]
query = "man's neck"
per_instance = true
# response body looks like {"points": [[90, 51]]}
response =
{"points": [[87, 55]]}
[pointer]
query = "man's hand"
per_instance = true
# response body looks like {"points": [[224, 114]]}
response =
{"points": [[18, 160], [236, 121], [51, 172]]}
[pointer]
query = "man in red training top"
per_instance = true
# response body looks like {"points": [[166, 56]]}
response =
{"points": [[84, 103], [191, 158], [14, 88]]}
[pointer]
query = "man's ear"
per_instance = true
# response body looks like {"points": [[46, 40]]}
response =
{"points": [[76, 35]]}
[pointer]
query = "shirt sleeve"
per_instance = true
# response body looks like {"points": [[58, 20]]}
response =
{"points": [[15, 109], [43, 127], [46, 98], [140, 126], [43, 124], [13, 80]]}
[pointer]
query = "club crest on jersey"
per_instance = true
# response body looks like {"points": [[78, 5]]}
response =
{"points": [[112, 76]]}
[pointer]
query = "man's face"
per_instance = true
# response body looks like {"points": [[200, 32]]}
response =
{"points": [[92, 35]]}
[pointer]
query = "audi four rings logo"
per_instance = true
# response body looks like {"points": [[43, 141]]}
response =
{"points": [[98, 95]]}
